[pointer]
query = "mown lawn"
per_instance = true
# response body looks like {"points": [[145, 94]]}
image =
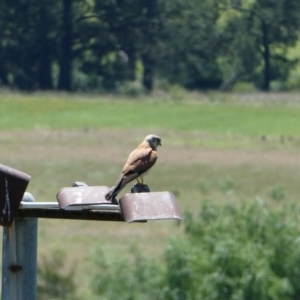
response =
{"points": [[203, 113]]}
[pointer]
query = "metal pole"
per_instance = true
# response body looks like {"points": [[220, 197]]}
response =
{"points": [[19, 258]]}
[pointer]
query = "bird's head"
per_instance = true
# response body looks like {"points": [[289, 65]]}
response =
{"points": [[153, 140]]}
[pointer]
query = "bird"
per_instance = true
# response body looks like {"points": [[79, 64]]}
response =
{"points": [[138, 164]]}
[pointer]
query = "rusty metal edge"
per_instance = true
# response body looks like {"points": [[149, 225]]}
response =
{"points": [[137, 220], [15, 173]]}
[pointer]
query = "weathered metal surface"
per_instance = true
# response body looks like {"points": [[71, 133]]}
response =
{"points": [[19, 260], [13, 184], [149, 206], [88, 203], [52, 210], [82, 195], [137, 207], [102, 212]]}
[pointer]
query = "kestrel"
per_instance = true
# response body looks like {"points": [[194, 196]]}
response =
{"points": [[138, 164]]}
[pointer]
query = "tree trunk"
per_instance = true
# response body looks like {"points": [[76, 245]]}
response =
{"points": [[65, 73], [148, 55], [3, 74], [266, 57], [44, 67], [148, 72], [131, 64], [3, 52], [45, 78]]}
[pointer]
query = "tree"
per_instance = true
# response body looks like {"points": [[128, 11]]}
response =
{"points": [[151, 28], [270, 27], [190, 43], [26, 43], [66, 55], [46, 12], [133, 24], [18, 43], [104, 44]]}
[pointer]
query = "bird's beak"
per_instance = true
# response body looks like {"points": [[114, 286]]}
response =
{"points": [[159, 143]]}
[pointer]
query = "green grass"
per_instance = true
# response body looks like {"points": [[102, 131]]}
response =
{"points": [[57, 111], [212, 150]]}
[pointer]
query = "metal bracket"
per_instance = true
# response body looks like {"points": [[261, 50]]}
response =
{"points": [[135, 207], [13, 184], [81, 202]]}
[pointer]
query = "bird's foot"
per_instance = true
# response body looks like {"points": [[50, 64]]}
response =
{"points": [[140, 188], [140, 182], [114, 201]]}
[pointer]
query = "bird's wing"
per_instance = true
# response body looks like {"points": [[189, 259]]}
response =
{"points": [[139, 161]]}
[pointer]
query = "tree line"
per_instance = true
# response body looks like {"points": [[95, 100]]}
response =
{"points": [[103, 44]]}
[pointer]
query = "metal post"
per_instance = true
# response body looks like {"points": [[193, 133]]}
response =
{"points": [[19, 258]]}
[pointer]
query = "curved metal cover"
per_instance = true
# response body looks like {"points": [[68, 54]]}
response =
{"points": [[149, 206], [13, 184], [81, 195]]}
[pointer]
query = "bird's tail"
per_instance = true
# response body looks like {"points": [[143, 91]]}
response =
{"points": [[115, 190], [109, 195]]}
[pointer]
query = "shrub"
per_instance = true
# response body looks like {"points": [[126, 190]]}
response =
{"points": [[131, 89], [277, 193], [236, 253], [124, 279], [53, 282], [248, 252]]}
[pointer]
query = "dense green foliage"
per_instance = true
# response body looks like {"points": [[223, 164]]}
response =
{"points": [[52, 282], [116, 278], [247, 252], [129, 45]]}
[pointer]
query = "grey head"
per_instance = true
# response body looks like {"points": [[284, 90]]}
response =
{"points": [[154, 141]]}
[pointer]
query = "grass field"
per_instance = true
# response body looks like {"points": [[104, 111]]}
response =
{"points": [[215, 114], [216, 147]]}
